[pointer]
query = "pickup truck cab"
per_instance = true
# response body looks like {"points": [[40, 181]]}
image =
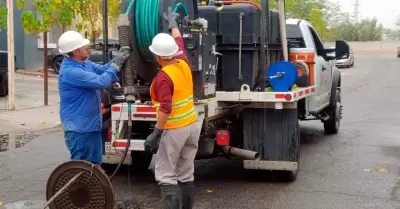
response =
{"points": [[305, 45]]}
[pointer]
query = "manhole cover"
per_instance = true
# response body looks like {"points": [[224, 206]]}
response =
{"points": [[92, 189]]}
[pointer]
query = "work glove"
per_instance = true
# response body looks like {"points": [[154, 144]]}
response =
{"points": [[171, 18], [120, 57], [153, 141]]}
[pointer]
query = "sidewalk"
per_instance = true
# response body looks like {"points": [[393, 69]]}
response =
{"points": [[44, 118], [38, 72], [30, 115]]}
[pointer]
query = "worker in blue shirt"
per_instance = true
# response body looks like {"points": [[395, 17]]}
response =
{"points": [[79, 83]]}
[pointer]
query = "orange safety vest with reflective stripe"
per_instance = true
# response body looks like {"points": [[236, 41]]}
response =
{"points": [[183, 111]]}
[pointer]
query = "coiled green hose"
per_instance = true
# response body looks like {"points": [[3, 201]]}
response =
{"points": [[147, 22]]}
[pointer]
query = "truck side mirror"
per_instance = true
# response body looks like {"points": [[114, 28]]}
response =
{"points": [[342, 49]]}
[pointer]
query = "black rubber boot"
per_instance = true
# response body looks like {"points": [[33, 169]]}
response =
{"points": [[187, 195], [171, 195]]}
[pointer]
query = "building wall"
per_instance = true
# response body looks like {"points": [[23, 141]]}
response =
{"points": [[29, 54], [19, 39]]}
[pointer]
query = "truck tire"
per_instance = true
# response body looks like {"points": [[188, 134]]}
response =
{"points": [[56, 65], [334, 111], [140, 162], [275, 134]]}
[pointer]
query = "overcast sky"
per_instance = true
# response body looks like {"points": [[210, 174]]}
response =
{"points": [[369, 8]]}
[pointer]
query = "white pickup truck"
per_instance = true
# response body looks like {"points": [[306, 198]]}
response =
{"points": [[262, 127]]}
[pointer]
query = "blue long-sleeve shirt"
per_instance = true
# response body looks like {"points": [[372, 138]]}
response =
{"points": [[79, 85]]}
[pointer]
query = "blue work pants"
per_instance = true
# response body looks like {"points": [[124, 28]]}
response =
{"points": [[85, 146]]}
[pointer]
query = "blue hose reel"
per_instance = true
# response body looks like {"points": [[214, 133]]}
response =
{"points": [[282, 76]]}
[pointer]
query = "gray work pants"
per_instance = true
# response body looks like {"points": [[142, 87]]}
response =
{"points": [[175, 155]]}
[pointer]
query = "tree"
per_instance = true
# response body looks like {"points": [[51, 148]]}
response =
{"points": [[49, 13], [3, 16], [365, 30], [331, 23], [395, 33], [397, 23], [91, 14]]}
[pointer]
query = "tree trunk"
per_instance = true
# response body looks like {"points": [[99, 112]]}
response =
{"points": [[94, 34], [45, 70]]}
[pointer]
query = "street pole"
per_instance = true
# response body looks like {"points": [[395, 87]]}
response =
{"points": [[11, 55], [45, 71], [105, 30]]}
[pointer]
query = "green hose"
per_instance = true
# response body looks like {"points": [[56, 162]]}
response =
{"points": [[147, 23]]}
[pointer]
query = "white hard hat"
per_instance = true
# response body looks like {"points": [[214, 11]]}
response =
{"points": [[70, 41], [164, 45]]}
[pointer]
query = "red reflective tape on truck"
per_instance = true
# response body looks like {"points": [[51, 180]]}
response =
{"points": [[307, 91], [313, 89], [119, 144], [279, 96], [144, 115], [145, 109], [116, 109]]}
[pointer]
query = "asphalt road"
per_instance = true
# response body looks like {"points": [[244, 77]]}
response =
{"points": [[355, 169]]}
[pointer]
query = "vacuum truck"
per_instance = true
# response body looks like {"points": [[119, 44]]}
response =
{"points": [[255, 75]]}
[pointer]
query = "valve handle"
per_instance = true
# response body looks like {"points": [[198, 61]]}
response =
{"points": [[278, 75]]}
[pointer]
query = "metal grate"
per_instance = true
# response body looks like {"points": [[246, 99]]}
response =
{"points": [[3, 59], [92, 190], [88, 192]]}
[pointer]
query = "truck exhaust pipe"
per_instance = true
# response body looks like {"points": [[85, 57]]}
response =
{"points": [[245, 154]]}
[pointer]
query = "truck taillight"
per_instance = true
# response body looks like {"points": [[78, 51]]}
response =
{"points": [[288, 97], [109, 134], [223, 137]]}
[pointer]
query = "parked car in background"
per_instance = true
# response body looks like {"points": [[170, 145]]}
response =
{"points": [[4, 72], [55, 58], [346, 63], [398, 52]]}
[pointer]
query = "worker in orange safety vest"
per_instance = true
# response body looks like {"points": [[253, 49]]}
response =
{"points": [[176, 135]]}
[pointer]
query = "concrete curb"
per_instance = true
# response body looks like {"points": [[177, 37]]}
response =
{"points": [[39, 132], [375, 52], [49, 130], [36, 73]]}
